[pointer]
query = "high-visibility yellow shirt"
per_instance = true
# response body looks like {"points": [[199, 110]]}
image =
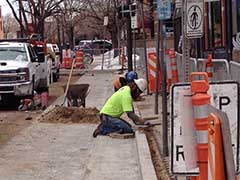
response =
{"points": [[120, 102]]}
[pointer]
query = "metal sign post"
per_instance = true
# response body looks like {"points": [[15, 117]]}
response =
{"points": [[164, 12], [105, 23], [129, 38], [185, 44], [192, 27], [134, 25], [145, 47]]}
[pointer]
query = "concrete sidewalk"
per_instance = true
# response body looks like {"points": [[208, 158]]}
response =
{"points": [[46, 151]]}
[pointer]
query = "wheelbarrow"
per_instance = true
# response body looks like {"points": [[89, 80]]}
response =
{"points": [[76, 95]]}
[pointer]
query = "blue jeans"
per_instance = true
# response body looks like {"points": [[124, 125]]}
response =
{"points": [[114, 125]]}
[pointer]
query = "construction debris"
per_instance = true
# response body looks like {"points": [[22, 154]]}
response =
{"points": [[60, 114], [121, 136], [158, 162]]}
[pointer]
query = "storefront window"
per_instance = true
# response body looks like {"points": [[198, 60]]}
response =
{"points": [[214, 25]]}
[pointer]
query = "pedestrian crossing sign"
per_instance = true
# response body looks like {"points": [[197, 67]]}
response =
{"points": [[194, 18]]}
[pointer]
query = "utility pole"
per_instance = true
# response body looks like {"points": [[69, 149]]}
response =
{"points": [[129, 38], [157, 69], [229, 29], [145, 46], [185, 44], [164, 92], [164, 12], [58, 30]]}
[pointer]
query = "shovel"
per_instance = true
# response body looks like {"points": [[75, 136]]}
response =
{"points": [[68, 82]]}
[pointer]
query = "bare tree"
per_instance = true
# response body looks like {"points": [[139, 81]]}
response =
{"points": [[34, 12], [97, 9], [10, 26], [72, 14]]}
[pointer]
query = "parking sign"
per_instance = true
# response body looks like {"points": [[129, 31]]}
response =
{"points": [[164, 9], [224, 96]]}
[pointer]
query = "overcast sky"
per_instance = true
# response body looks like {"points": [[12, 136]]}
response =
{"points": [[5, 7]]}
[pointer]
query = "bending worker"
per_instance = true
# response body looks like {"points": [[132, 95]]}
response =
{"points": [[123, 81], [120, 102]]}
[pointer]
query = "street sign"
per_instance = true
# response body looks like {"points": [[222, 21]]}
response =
{"points": [[134, 22], [105, 21], [178, 4], [164, 9], [194, 18], [224, 96]]}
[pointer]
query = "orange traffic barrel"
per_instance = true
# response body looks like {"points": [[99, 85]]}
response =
{"points": [[201, 101], [79, 59]]}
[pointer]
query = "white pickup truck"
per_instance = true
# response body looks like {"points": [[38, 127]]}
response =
{"points": [[23, 69]]}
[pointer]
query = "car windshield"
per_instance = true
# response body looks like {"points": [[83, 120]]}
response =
{"points": [[13, 53]]}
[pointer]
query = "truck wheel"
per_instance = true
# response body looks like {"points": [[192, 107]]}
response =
{"points": [[56, 76], [33, 88]]}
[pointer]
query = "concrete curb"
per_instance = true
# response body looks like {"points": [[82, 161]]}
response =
{"points": [[145, 161], [144, 156]]}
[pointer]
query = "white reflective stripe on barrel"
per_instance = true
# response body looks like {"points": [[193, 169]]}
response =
{"points": [[200, 112], [202, 136]]}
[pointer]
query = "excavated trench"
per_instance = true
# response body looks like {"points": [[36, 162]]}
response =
{"points": [[158, 163]]}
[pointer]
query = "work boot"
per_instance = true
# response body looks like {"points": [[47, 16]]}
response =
{"points": [[96, 131]]}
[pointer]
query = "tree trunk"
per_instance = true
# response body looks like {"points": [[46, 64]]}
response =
{"points": [[114, 36], [40, 29], [72, 41]]}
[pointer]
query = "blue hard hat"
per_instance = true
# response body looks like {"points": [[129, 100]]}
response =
{"points": [[130, 76]]}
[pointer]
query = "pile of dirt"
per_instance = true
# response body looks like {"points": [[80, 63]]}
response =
{"points": [[71, 115]]}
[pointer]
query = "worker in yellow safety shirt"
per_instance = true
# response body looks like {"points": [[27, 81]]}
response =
{"points": [[120, 102]]}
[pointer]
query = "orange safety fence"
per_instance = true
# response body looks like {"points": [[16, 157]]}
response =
{"points": [[152, 65], [171, 69]]}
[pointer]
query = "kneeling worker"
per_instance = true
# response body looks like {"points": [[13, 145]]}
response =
{"points": [[120, 102]]}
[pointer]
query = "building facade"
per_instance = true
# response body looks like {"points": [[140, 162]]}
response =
{"points": [[221, 30]]}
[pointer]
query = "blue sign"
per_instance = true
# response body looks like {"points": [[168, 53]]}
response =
{"points": [[164, 9]]}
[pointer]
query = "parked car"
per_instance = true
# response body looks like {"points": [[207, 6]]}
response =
{"points": [[54, 55], [84, 42], [95, 47], [23, 68], [102, 44]]}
